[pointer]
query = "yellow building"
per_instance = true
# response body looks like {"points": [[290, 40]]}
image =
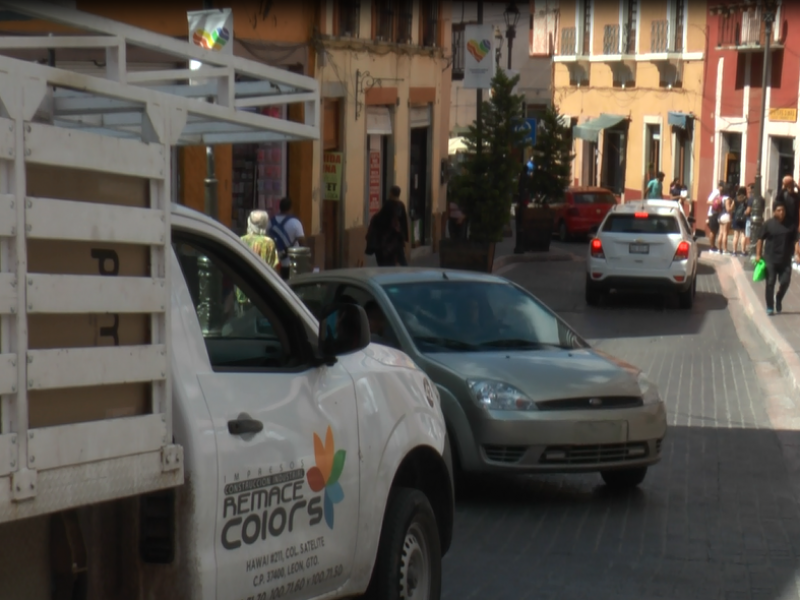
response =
{"points": [[385, 81], [629, 78]]}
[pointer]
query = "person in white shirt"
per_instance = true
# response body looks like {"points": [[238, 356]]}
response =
{"points": [[714, 211], [287, 231]]}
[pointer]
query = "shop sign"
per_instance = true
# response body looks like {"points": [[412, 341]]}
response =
{"points": [[374, 181], [785, 115], [478, 51], [332, 175], [212, 29]]}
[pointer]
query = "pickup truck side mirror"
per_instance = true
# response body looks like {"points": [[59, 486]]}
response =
{"points": [[343, 328]]}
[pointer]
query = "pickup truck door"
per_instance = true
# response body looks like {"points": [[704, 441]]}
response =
{"points": [[285, 430]]}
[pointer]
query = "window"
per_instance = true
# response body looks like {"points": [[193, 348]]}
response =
{"points": [[392, 21], [403, 17], [594, 198], [653, 148], [429, 22], [348, 18], [469, 316], [587, 27], [381, 330], [682, 168], [677, 27], [663, 224], [629, 27], [245, 324], [384, 21], [314, 295], [458, 51]]}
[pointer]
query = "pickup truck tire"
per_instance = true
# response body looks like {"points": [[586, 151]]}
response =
{"points": [[409, 563]]}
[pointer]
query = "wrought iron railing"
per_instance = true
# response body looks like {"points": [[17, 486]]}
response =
{"points": [[568, 43], [743, 28], [611, 41], [659, 37], [628, 39]]}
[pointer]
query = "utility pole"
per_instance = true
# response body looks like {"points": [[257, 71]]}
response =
{"points": [[479, 93], [211, 183], [759, 203]]}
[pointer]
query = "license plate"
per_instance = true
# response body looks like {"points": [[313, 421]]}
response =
{"points": [[601, 432], [639, 248]]}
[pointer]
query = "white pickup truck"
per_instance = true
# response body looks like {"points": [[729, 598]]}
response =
{"points": [[174, 423]]}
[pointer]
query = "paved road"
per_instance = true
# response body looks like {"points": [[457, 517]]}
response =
{"points": [[717, 518]]}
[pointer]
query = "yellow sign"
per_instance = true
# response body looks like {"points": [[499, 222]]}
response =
{"points": [[332, 175], [786, 115]]}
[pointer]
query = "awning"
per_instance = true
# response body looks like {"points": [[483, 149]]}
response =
{"points": [[590, 130], [679, 119]]}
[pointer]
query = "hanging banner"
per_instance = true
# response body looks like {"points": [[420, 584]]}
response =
{"points": [[332, 175], [212, 29], [479, 62], [374, 175]]}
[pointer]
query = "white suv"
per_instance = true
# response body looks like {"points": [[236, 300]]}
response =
{"points": [[643, 245]]}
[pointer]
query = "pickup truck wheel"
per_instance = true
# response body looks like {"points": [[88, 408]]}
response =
{"points": [[409, 564]]}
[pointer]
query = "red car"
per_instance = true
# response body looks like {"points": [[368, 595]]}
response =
{"points": [[581, 211]]}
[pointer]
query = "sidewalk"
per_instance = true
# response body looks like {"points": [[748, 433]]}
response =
{"points": [[503, 256], [781, 332]]}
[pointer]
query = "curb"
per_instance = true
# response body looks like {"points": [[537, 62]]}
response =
{"points": [[786, 356], [511, 259]]}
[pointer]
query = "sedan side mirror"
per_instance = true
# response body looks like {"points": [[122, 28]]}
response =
{"points": [[343, 329]]}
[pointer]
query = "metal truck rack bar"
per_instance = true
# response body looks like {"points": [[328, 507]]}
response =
{"points": [[121, 124]]}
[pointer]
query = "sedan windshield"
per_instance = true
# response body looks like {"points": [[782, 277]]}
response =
{"points": [[469, 316]]}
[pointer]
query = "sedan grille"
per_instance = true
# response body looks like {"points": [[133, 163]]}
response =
{"points": [[594, 403], [505, 454], [589, 455]]}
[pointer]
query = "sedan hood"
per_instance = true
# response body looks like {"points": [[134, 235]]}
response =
{"points": [[547, 374]]}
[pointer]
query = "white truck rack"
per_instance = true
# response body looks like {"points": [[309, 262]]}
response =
{"points": [[85, 195]]}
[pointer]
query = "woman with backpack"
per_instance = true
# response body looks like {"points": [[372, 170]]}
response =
{"points": [[739, 214]]}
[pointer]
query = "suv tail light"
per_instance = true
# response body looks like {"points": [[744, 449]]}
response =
{"points": [[597, 249], [682, 253]]}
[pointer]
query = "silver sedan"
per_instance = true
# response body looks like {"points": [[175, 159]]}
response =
{"points": [[520, 390]]}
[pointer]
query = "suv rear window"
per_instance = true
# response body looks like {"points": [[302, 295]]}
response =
{"points": [[631, 224], [594, 198]]}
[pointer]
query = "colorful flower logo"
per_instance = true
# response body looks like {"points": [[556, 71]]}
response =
{"points": [[213, 40], [479, 49], [326, 474]]}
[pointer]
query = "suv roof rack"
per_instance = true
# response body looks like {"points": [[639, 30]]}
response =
{"points": [[218, 103]]}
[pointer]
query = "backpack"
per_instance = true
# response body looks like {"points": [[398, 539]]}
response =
{"points": [[278, 233], [738, 212], [716, 205]]}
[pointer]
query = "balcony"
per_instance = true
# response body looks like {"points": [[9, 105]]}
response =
{"points": [[617, 53], [666, 51], [744, 29], [349, 13], [568, 54], [385, 25], [404, 27], [458, 52]]}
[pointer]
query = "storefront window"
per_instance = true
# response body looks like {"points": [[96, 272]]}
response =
{"points": [[259, 176]]}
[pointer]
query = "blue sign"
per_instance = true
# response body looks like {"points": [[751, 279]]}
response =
{"points": [[532, 126]]}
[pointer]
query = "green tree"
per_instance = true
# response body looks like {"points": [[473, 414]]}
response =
{"points": [[552, 157], [487, 182]]}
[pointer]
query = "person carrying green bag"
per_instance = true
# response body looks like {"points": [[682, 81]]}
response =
{"points": [[760, 272], [776, 245]]}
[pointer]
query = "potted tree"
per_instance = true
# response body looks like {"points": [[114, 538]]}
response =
{"points": [[486, 181], [552, 157]]}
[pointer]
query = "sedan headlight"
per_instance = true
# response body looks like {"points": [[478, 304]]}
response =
{"points": [[648, 389], [496, 395]]}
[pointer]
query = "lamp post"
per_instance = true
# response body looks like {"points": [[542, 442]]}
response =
{"points": [[759, 203], [511, 16]]}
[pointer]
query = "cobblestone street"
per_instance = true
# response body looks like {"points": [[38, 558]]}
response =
{"points": [[717, 518]]}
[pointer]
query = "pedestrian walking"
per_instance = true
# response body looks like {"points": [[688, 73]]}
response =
{"points": [[387, 234], [791, 199], [739, 221], [655, 188], [675, 190], [258, 241], [776, 245], [287, 231], [749, 222], [715, 209], [725, 220]]}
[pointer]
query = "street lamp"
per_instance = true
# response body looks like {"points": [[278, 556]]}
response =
{"points": [[759, 204], [511, 16]]}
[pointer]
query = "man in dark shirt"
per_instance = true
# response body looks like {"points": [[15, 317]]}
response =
{"points": [[779, 240], [791, 199]]}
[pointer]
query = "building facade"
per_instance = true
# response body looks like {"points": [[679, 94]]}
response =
{"points": [[734, 95], [384, 76], [385, 82], [532, 65], [628, 78]]}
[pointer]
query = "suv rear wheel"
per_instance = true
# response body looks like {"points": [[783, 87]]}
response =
{"points": [[592, 292], [686, 298], [409, 562]]}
